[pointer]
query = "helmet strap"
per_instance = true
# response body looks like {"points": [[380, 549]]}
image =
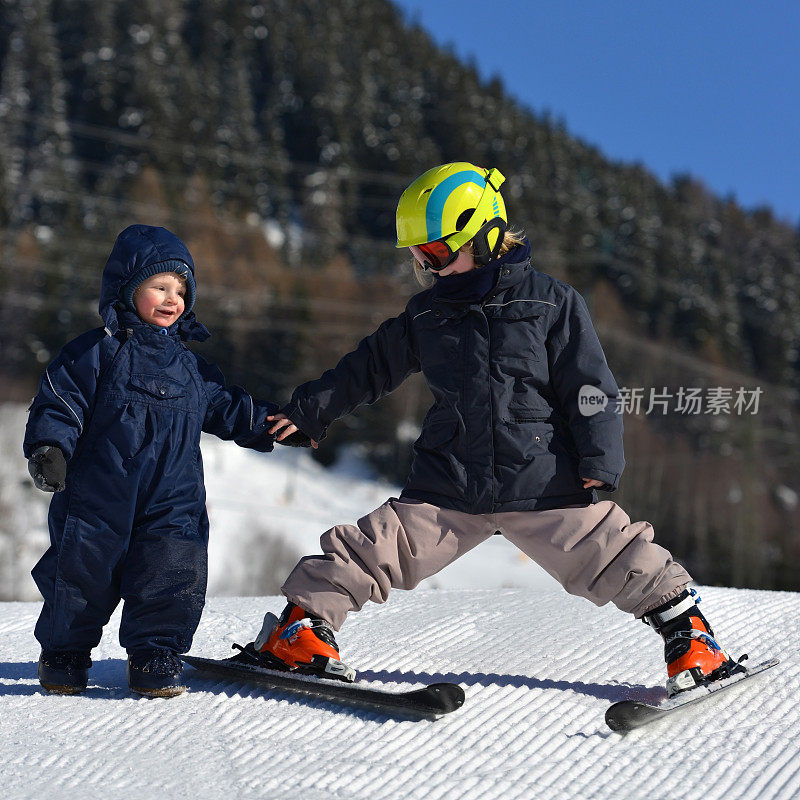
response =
{"points": [[482, 252]]}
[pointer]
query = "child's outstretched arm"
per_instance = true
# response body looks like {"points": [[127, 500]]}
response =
{"points": [[378, 365], [234, 414], [576, 359]]}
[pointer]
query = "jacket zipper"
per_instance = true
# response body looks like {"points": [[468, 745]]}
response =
{"points": [[491, 403]]}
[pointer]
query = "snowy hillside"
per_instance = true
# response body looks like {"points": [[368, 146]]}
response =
{"points": [[539, 669], [288, 496]]}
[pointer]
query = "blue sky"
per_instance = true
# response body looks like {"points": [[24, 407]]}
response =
{"points": [[706, 87]]}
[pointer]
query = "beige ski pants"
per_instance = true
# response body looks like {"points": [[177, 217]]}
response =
{"points": [[594, 551]]}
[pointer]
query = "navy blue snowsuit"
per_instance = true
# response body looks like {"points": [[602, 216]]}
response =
{"points": [[126, 404]]}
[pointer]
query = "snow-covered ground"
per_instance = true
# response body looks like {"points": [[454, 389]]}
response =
{"points": [[539, 669]]}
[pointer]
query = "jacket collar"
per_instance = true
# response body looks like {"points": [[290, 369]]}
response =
{"points": [[511, 268], [187, 328]]}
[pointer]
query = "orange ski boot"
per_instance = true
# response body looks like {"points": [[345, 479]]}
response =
{"points": [[301, 642], [692, 654]]}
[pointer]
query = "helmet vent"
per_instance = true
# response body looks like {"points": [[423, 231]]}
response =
{"points": [[463, 218]]}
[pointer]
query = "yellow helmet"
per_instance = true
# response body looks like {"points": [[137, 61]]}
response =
{"points": [[454, 203]]}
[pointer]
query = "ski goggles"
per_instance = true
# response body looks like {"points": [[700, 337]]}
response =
{"points": [[434, 256]]}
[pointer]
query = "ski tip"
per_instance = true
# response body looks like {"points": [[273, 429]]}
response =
{"points": [[626, 715], [451, 694], [444, 697], [436, 699]]}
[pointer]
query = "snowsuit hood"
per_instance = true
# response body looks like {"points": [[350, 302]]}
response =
{"points": [[143, 250]]}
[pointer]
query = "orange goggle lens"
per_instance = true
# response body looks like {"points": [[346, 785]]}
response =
{"points": [[433, 255]]}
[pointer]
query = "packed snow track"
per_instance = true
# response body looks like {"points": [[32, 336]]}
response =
{"points": [[539, 669]]}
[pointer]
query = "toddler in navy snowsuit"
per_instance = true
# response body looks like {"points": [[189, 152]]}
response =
{"points": [[115, 432]]}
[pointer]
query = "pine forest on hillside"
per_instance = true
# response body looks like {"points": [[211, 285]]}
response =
{"points": [[274, 137]]}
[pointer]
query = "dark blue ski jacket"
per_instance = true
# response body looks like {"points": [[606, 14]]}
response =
{"points": [[505, 431], [126, 404]]}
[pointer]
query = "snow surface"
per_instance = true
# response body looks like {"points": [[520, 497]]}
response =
{"points": [[539, 668]]}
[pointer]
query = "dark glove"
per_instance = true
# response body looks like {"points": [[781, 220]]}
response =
{"points": [[48, 468], [297, 439]]}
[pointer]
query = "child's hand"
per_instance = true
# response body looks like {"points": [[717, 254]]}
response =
{"points": [[287, 429], [591, 483], [48, 468]]}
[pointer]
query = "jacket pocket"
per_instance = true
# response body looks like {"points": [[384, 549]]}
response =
{"points": [[518, 330], [535, 429], [534, 446], [527, 405], [157, 386], [521, 415]]}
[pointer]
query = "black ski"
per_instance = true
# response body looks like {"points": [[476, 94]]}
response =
{"points": [[630, 714], [429, 702]]}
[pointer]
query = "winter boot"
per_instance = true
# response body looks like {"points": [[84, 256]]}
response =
{"points": [[155, 673], [692, 654], [301, 642], [64, 672]]}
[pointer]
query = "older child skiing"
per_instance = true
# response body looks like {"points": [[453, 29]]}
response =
{"points": [[115, 432], [505, 350]]}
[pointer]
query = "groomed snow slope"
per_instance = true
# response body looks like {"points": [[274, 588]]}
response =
{"points": [[539, 668]]}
